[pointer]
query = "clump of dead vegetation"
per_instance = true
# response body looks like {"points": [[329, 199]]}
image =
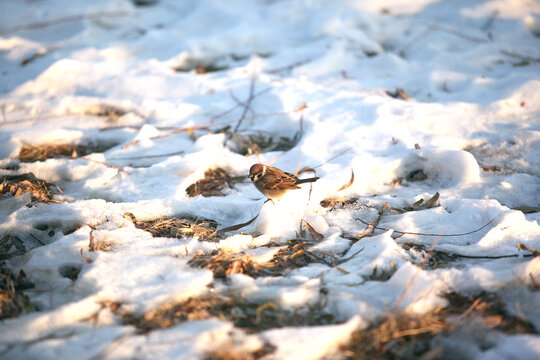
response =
{"points": [[250, 316], [229, 352], [94, 245], [398, 93], [11, 246], [224, 263], [213, 183], [200, 67], [15, 185], [178, 227], [260, 143], [407, 336], [295, 255], [12, 301], [32, 153]]}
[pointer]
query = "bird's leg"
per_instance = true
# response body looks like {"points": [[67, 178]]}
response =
{"points": [[267, 200]]}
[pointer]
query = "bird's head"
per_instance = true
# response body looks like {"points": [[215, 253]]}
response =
{"points": [[256, 171]]}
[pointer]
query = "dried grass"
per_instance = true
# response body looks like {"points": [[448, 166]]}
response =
{"points": [[294, 256], [99, 245], [15, 185], [383, 274], [11, 246], [213, 184], [340, 203], [408, 336], [260, 143], [200, 68], [12, 301], [229, 352], [178, 227], [250, 316], [223, 263], [32, 153]]}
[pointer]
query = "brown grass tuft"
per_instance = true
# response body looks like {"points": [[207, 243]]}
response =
{"points": [[213, 184], [250, 316], [229, 352], [15, 185], [12, 301], [32, 153], [407, 336], [294, 256], [178, 227], [261, 143], [223, 263]]}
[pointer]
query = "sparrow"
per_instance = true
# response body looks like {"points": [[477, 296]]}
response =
{"points": [[273, 182]]}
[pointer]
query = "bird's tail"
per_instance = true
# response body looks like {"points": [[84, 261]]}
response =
{"points": [[301, 181]]}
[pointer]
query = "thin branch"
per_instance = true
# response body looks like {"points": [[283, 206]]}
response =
{"points": [[94, 161], [240, 102], [411, 280], [147, 156], [66, 19], [333, 157], [206, 126], [432, 27], [46, 117], [247, 104], [455, 32], [519, 56], [288, 67], [423, 234], [374, 226], [414, 40], [481, 256], [135, 127], [238, 226], [490, 20]]}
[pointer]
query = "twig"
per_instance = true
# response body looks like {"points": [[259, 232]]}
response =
{"points": [[473, 306], [205, 126], [95, 161], [147, 156], [490, 20], [414, 40], [411, 280], [341, 261], [247, 103], [455, 32], [374, 226], [430, 28], [534, 252], [135, 127], [288, 67], [333, 157], [481, 256], [240, 102], [237, 226], [34, 56], [519, 56], [46, 117], [65, 19], [300, 134], [424, 234]]}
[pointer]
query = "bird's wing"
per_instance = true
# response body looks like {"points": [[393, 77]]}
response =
{"points": [[283, 181]]}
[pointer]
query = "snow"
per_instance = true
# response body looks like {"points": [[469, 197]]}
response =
{"points": [[469, 68]]}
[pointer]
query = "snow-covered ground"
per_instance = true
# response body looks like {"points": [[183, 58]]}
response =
{"points": [[415, 97]]}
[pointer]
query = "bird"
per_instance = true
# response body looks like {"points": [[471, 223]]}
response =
{"points": [[273, 182]]}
